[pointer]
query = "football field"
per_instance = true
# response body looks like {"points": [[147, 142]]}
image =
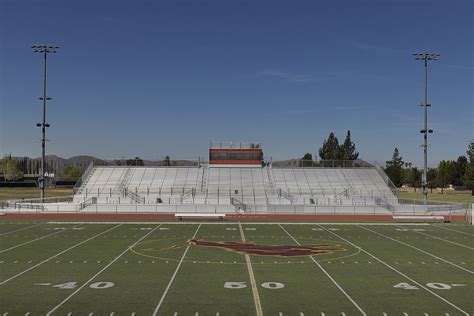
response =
{"points": [[228, 268]]}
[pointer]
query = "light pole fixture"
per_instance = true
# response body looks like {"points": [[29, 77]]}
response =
{"points": [[425, 56], [45, 49]]}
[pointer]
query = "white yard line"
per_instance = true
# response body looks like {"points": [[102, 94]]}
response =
{"points": [[253, 282], [400, 273], [328, 275], [19, 230], [246, 223], [98, 273], [39, 238], [454, 230], [442, 239], [158, 306], [416, 248], [58, 254]]}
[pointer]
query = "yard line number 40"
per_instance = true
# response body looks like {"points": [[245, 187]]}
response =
{"points": [[433, 285], [73, 285]]}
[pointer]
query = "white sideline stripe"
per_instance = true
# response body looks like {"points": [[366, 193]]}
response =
{"points": [[98, 273], [155, 312], [445, 240], [400, 273], [58, 254], [246, 223], [423, 251], [454, 230], [39, 238], [253, 282], [19, 230], [328, 275]]}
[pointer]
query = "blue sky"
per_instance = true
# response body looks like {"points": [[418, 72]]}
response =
{"points": [[152, 78]]}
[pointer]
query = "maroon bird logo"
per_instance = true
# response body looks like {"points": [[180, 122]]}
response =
{"points": [[270, 250]]}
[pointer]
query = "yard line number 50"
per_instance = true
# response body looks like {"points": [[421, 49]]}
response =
{"points": [[242, 285]]}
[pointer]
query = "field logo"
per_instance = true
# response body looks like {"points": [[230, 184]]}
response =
{"points": [[270, 250]]}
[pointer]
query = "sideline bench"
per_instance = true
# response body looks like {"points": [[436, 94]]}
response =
{"points": [[181, 216], [418, 218]]}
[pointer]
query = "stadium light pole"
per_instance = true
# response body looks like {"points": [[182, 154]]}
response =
{"points": [[45, 49], [425, 57]]}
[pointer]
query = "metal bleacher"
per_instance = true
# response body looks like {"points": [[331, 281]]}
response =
{"points": [[239, 186]]}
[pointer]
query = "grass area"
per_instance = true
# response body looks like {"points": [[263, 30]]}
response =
{"points": [[29, 193], [148, 269], [446, 197]]}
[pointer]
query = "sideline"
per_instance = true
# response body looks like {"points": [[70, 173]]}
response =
{"points": [[42, 237], [18, 230], [421, 250], [442, 239], [58, 254]]}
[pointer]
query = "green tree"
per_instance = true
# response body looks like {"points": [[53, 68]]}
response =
{"points": [[431, 178], [468, 179], [71, 172], [347, 150], [459, 169], [135, 162], [167, 161], [393, 168], [414, 178], [12, 170], [444, 175], [3, 164], [330, 149], [307, 160]]}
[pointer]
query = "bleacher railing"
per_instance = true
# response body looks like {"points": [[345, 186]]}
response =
{"points": [[300, 163], [83, 178], [387, 180]]}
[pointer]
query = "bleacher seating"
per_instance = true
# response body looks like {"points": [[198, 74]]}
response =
{"points": [[258, 186]]}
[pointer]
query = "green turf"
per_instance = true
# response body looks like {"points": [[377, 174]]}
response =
{"points": [[72, 260], [31, 193]]}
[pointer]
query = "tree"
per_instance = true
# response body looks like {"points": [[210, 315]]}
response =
{"points": [[71, 172], [307, 160], [12, 170], [3, 164], [468, 179], [393, 168], [444, 174], [414, 178], [459, 169], [135, 162], [330, 149], [167, 161], [347, 149], [431, 178]]}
